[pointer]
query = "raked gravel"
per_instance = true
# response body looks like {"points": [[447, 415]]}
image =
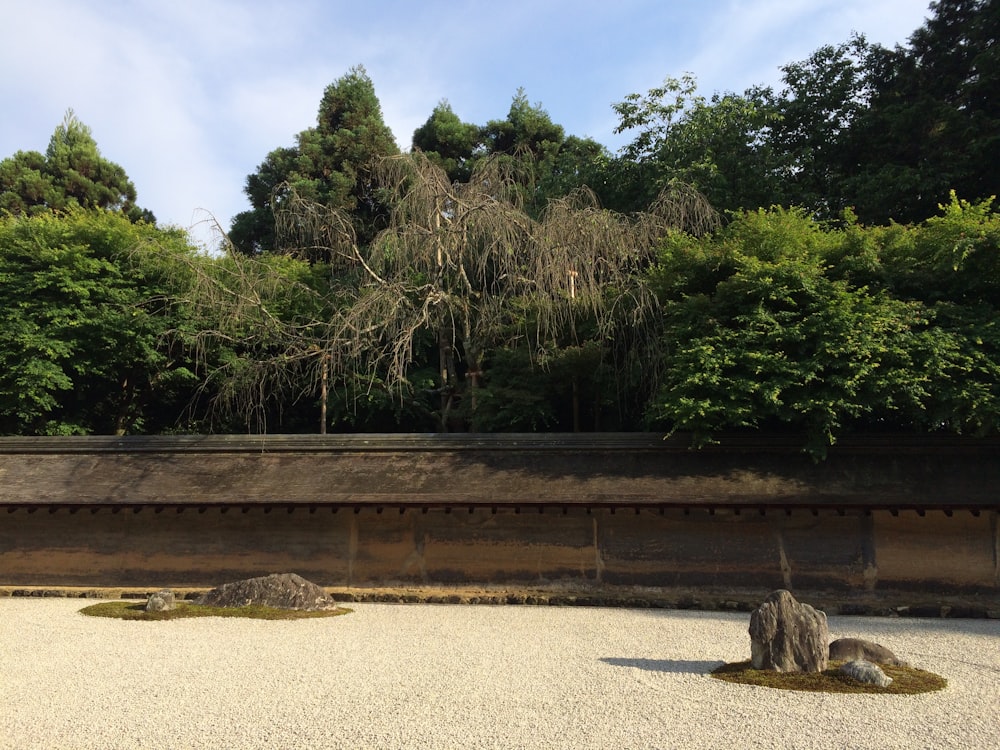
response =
{"points": [[440, 676]]}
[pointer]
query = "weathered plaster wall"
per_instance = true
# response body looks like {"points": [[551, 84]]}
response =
{"points": [[616, 510], [852, 552]]}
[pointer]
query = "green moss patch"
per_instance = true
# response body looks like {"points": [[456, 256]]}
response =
{"points": [[133, 611], [905, 680]]}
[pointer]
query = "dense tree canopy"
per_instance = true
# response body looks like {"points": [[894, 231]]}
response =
{"points": [[461, 272], [933, 118], [779, 323], [887, 133], [718, 145], [84, 344], [548, 163], [449, 142]]}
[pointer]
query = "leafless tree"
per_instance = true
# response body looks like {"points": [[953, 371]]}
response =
{"points": [[462, 262]]}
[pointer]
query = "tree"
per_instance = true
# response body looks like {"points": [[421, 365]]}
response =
{"points": [[719, 145], [261, 319], [580, 163], [527, 128], [476, 270], [950, 264], [778, 322], [331, 164], [932, 122], [449, 142], [71, 173], [529, 142], [460, 271], [84, 342], [814, 118], [252, 232], [549, 164]]}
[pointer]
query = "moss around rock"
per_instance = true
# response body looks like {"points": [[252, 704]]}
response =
{"points": [[905, 680], [123, 610]]}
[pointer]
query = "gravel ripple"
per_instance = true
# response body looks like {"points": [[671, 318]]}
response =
{"points": [[439, 676]]}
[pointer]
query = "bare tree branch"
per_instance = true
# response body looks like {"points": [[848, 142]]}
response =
{"points": [[460, 263]]}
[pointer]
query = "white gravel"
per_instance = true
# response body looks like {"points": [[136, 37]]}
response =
{"points": [[437, 676]]}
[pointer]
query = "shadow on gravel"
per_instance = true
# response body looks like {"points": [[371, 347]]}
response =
{"points": [[674, 666]]}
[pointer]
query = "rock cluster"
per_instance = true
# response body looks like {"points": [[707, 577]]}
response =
{"points": [[280, 590], [787, 636]]}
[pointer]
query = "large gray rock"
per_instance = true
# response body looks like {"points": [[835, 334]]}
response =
{"points": [[280, 590], [851, 649], [161, 601], [787, 636], [865, 671]]}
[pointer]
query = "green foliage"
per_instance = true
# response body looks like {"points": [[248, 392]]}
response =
{"points": [[253, 231], [71, 173], [580, 163], [528, 143], [516, 397], [814, 117], [548, 164], [260, 345], [490, 275], [885, 133], [779, 323], [552, 389], [526, 129], [954, 256], [367, 403], [82, 330], [449, 142], [718, 145], [932, 120]]}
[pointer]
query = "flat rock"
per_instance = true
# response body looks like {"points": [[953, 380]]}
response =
{"points": [[865, 671], [788, 636], [851, 649], [279, 590]]}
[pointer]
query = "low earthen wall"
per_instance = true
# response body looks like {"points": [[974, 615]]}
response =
{"points": [[530, 510]]}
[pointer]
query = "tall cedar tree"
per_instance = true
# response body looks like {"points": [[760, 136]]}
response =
{"points": [[330, 164]]}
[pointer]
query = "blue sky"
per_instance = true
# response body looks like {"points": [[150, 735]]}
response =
{"points": [[189, 97]]}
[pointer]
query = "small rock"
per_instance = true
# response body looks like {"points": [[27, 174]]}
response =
{"points": [[787, 636], [865, 671], [854, 649], [161, 601]]}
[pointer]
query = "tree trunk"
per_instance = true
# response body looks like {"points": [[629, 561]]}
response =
{"points": [[576, 404], [323, 390], [473, 373], [446, 361], [124, 407]]}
